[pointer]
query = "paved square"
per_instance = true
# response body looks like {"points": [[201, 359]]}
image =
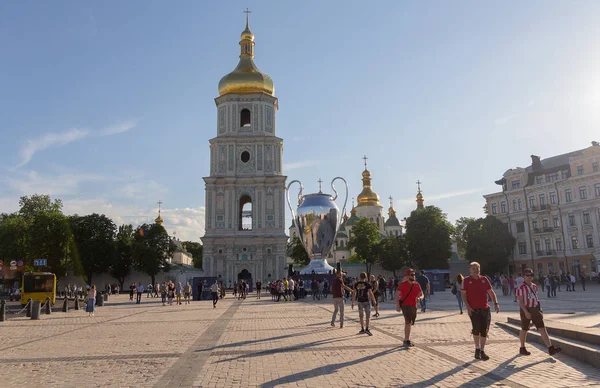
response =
{"points": [[261, 343]]}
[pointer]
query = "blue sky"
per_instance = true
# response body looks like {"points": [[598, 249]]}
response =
{"points": [[109, 106]]}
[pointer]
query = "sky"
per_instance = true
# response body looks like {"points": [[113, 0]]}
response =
{"points": [[109, 105]]}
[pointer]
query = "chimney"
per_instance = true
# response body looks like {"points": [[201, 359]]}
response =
{"points": [[536, 163], [595, 144]]}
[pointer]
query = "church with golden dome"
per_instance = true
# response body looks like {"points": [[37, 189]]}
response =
{"points": [[245, 230]]}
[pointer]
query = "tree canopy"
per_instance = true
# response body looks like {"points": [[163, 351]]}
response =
{"points": [[196, 249], [298, 253], [428, 238], [152, 248], [459, 229], [393, 253], [364, 240], [490, 243], [123, 259]]}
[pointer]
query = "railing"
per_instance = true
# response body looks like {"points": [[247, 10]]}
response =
{"points": [[545, 207], [548, 229]]}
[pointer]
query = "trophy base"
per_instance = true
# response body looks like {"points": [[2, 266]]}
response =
{"points": [[317, 266]]}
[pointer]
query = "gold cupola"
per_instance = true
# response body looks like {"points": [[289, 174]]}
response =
{"points": [[367, 197], [420, 199], [246, 77], [159, 219]]}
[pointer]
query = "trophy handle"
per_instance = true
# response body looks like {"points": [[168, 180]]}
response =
{"points": [[336, 195], [287, 195]]}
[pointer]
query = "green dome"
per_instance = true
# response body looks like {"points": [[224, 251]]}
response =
{"points": [[352, 220], [341, 235], [392, 221]]}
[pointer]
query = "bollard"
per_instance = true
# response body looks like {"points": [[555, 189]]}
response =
{"points": [[48, 307], [76, 303], [28, 315], [2, 310], [35, 309], [65, 308], [105, 297], [99, 300]]}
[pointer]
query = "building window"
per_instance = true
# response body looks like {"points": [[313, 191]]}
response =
{"points": [[552, 198], [589, 240], [545, 223], [537, 246], [556, 222], [595, 167], [520, 227], [559, 246], [245, 213], [516, 184], [564, 174], [532, 202], [534, 224], [245, 118], [571, 219], [522, 248], [539, 179], [574, 243], [579, 170], [552, 177], [515, 203], [586, 218], [542, 199], [494, 208], [520, 204], [245, 157], [597, 189], [548, 243], [568, 195], [583, 192], [503, 207]]}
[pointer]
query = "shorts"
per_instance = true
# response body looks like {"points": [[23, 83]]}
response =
{"points": [[364, 307], [480, 320], [537, 317], [410, 314]]}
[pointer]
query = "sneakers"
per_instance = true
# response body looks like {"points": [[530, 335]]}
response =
{"points": [[341, 325], [368, 332], [332, 324], [362, 331], [552, 350], [524, 352], [477, 354], [483, 356], [408, 344]]}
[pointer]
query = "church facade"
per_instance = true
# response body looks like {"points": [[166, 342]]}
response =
{"points": [[245, 228]]}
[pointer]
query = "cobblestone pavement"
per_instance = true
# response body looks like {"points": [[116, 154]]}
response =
{"points": [[261, 343]]}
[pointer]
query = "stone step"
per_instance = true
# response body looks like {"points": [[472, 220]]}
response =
{"points": [[581, 351], [565, 330]]}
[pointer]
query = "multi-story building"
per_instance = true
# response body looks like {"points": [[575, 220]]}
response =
{"points": [[552, 208]]}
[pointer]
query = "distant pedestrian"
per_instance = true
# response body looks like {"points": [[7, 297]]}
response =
{"points": [[375, 285], [518, 283], [178, 290], [426, 287], [409, 292], [91, 302], [258, 289], [337, 292], [475, 292], [456, 291], [214, 291], [132, 289], [163, 292], [363, 292], [140, 292], [582, 278], [572, 279], [530, 311], [187, 292], [149, 290]]}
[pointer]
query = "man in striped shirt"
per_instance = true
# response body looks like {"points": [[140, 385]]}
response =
{"points": [[530, 310]]}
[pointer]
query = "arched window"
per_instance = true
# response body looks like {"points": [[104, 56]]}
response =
{"points": [[245, 118], [245, 215]]}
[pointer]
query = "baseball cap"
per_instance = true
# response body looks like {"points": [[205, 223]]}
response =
{"points": [[409, 271], [527, 271]]}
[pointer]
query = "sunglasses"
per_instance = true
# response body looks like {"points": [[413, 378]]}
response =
{"points": [[411, 274], [529, 275]]}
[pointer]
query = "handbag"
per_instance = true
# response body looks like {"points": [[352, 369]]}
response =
{"points": [[409, 291]]}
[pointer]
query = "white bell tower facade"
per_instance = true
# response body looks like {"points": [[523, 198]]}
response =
{"points": [[245, 236]]}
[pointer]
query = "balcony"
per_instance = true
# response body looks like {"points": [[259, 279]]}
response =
{"points": [[533, 208], [551, 252], [548, 229], [545, 207]]}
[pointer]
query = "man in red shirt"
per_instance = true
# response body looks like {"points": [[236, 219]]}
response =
{"points": [[337, 290], [475, 290], [530, 310], [409, 292]]}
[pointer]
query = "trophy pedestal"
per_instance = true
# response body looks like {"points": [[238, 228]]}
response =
{"points": [[317, 266]]}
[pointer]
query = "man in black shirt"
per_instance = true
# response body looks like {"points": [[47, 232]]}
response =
{"points": [[426, 287], [363, 292]]}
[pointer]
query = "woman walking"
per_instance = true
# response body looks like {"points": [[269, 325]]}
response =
{"points": [[456, 291], [91, 301]]}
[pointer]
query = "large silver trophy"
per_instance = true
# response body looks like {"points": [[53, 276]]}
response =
{"points": [[317, 222]]}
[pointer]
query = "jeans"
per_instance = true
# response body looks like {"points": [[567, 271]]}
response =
{"points": [[139, 298], [423, 302], [215, 298], [460, 301], [338, 305]]}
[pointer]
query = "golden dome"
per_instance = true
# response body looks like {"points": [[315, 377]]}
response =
{"points": [[246, 77], [367, 197], [159, 220]]}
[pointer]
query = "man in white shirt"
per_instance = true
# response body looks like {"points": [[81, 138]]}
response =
{"points": [[140, 292], [518, 283], [214, 290], [291, 291], [572, 280]]}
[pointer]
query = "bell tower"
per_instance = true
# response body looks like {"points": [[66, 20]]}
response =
{"points": [[245, 229]]}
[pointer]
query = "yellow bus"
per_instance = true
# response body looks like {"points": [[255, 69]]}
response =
{"points": [[38, 286]]}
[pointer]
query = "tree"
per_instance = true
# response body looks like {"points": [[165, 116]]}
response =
{"points": [[123, 259], [459, 229], [428, 238], [50, 238], [298, 253], [151, 249], [14, 238], [364, 240], [490, 243], [30, 207], [93, 244], [393, 254], [196, 249]]}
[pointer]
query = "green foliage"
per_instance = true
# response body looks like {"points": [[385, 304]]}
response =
{"points": [[393, 253], [14, 238], [50, 239], [364, 240], [30, 207], [196, 249], [428, 238], [459, 229], [490, 243], [123, 259], [94, 250], [151, 248], [298, 253]]}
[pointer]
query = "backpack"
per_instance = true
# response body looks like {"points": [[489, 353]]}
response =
{"points": [[453, 290]]}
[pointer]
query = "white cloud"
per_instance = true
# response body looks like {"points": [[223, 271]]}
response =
{"points": [[32, 182], [453, 194], [49, 140], [297, 165]]}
